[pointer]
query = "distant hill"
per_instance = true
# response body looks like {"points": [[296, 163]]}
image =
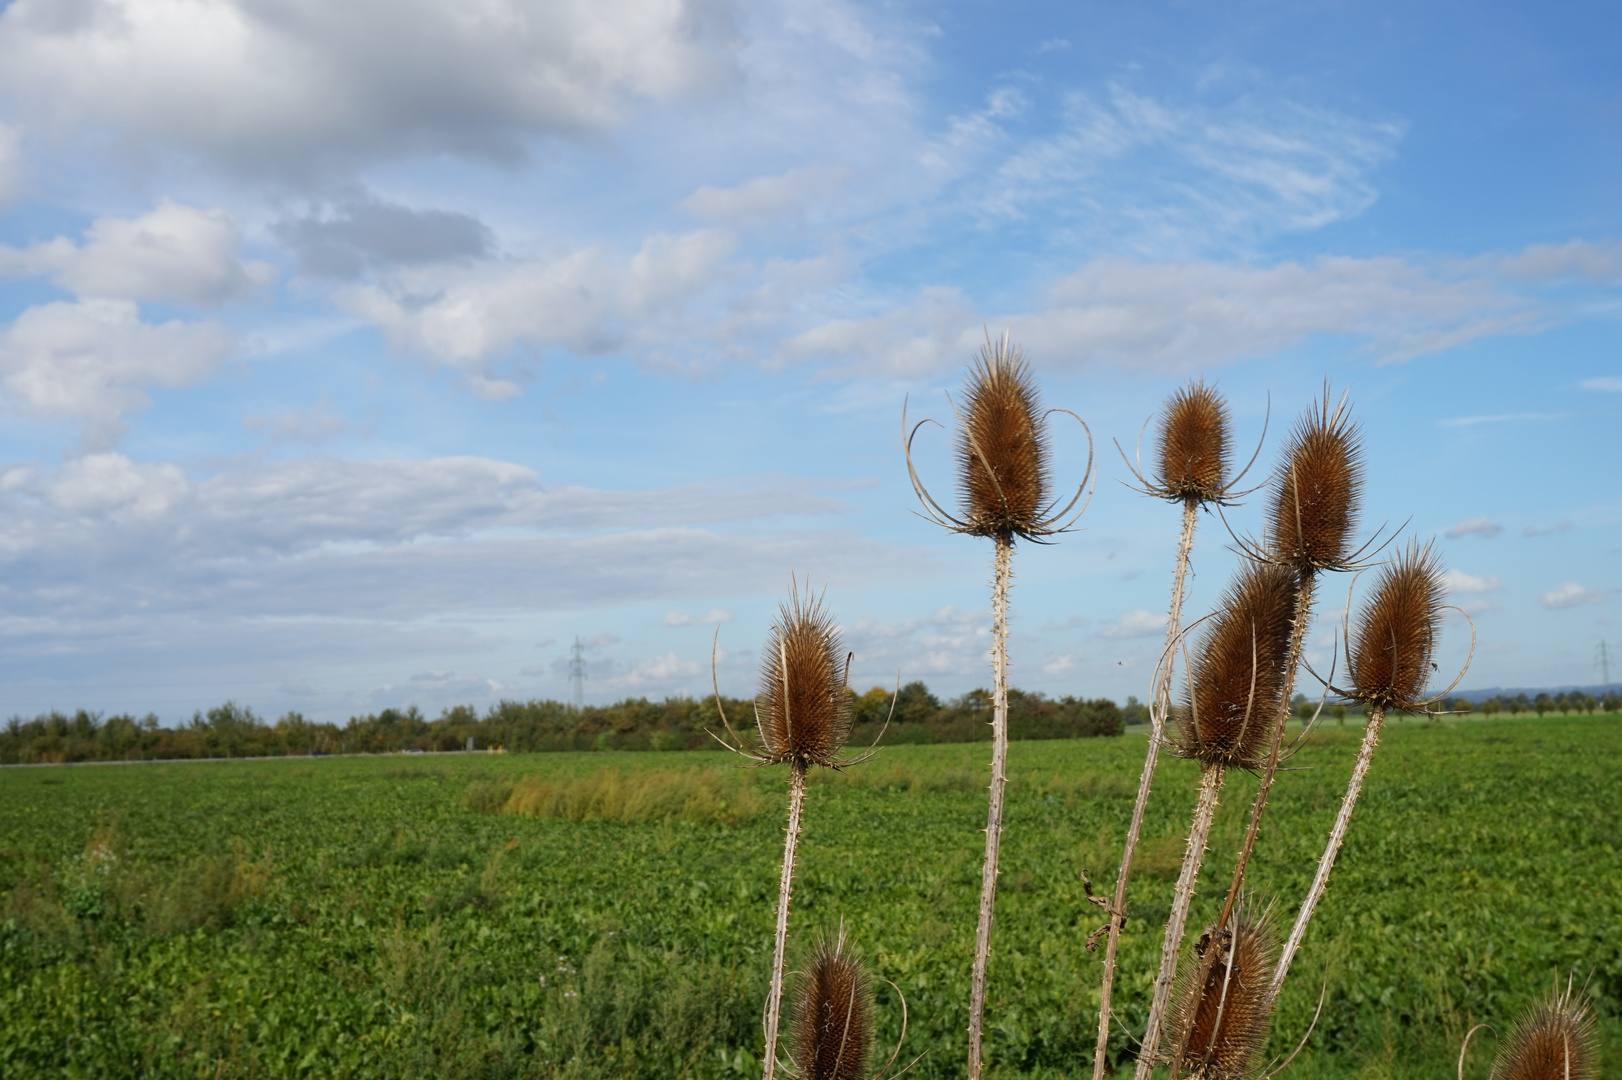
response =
{"points": [[1596, 691]]}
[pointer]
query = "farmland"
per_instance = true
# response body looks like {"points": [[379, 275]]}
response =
{"points": [[382, 916]]}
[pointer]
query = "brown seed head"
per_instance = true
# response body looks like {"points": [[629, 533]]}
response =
{"points": [[1396, 632], [833, 1019], [1194, 444], [802, 705], [1002, 450], [1555, 1039], [1232, 703], [1316, 491], [1222, 1023]]}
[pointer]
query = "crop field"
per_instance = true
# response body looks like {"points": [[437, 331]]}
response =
{"points": [[610, 914]]}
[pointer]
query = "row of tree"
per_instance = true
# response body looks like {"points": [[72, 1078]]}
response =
{"points": [[677, 723]]}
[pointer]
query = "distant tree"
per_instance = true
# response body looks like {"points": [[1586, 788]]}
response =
{"points": [[1134, 712], [1338, 711], [1542, 703], [1463, 705], [1491, 706]]}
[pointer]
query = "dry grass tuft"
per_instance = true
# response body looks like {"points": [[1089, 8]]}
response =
{"points": [[802, 705], [1002, 451], [1223, 1023], [1317, 491], [833, 1018], [698, 796], [1397, 630], [1194, 445], [1556, 1039], [1238, 672]]}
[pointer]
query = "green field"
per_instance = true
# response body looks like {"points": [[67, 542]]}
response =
{"points": [[374, 917]]}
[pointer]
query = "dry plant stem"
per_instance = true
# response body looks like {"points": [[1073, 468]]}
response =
{"points": [[1337, 836], [1199, 832], [1159, 708], [999, 780], [1292, 660], [774, 997]]}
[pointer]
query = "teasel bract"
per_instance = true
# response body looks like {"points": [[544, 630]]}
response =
{"points": [[1194, 448], [1003, 474], [1388, 657], [1224, 1005], [803, 712], [1227, 720], [1555, 1039]]}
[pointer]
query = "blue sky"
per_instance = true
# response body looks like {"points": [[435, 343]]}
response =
{"points": [[368, 354]]}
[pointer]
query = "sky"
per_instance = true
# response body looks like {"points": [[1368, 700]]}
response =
{"points": [[372, 354]]}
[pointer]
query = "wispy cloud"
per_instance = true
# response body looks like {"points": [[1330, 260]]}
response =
{"points": [[1546, 530], [1570, 594], [715, 617], [1460, 582], [1607, 383], [1499, 418], [1136, 624], [1480, 526]]}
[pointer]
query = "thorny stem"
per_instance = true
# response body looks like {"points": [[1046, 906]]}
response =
{"points": [[999, 780], [1292, 660], [1337, 836], [1199, 831], [1159, 708], [774, 998]]}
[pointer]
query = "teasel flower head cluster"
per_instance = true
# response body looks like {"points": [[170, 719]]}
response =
{"points": [[1224, 1005], [1193, 450], [1556, 1039], [1317, 493], [832, 1027], [1236, 677], [1003, 455]]}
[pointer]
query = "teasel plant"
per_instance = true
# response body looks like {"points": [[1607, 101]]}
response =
{"points": [[1388, 658], [1004, 479], [1555, 1038], [1226, 721], [832, 1027], [803, 715], [1194, 449]]}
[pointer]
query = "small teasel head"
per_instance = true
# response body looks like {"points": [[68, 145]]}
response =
{"points": [[1222, 1021], [1195, 445], [1002, 449], [1317, 491], [802, 705], [833, 1018], [1237, 672], [1389, 655], [1555, 1039]]}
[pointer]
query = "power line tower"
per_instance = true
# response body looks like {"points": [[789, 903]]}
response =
{"points": [[1603, 662], [577, 672]]}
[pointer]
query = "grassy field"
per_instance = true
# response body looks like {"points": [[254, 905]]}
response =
{"points": [[383, 917]]}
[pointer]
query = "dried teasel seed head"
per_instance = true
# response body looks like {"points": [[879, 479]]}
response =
{"points": [[803, 708], [1317, 491], [1237, 674], [1222, 1023], [1396, 632], [1194, 444], [1002, 449], [833, 1018], [1555, 1039]]}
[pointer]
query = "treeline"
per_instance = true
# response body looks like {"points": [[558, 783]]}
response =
{"points": [[677, 723]]}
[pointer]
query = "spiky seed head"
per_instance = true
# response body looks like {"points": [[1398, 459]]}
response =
{"points": [[1237, 674], [1555, 1039], [1222, 1022], [833, 1019], [1002, 448], [1194, 444], [1396, 632], [1317, 491], [802, 705]]}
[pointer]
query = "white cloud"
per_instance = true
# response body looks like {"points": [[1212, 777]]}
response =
{"points": [[764, 198], [1187, 317], [586, 301], [1497, 418], [1137, 624], [90, 362], [1570, 594], [715, 617], [1548, 530], [1574, 258], [949, 642], [292, 86], [1606, 383], [653, 673], [1481, 526], [1460, 582], [174, 253], [11, 165]]}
